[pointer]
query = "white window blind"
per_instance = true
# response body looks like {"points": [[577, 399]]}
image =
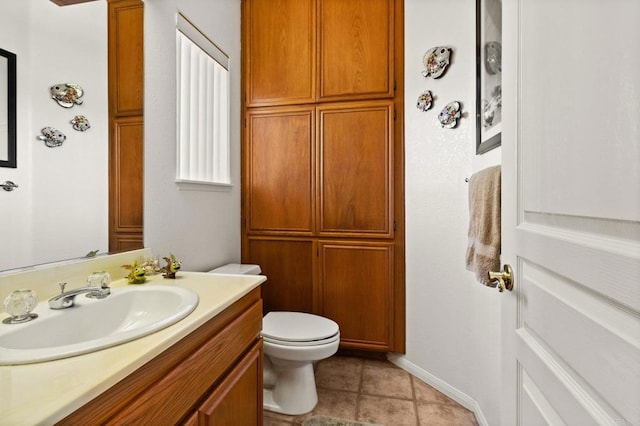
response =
{"points": [[203, 108]]}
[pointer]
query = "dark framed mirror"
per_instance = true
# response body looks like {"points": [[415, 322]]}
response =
{"points": [[488, 75], [7, 109]]}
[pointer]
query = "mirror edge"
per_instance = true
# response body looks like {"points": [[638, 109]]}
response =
{"points": [[11, 161]]}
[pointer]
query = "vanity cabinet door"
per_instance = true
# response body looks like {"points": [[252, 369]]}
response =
{"points": [[355, 44], [279, 52], [237, 400]]}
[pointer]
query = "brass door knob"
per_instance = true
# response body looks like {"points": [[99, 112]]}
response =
{"points": [[504, 279]]}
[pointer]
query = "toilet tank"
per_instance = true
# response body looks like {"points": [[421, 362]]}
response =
{"points": [[237, 269]]}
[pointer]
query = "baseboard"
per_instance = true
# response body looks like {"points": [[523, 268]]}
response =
{"points": [[460, 397]]}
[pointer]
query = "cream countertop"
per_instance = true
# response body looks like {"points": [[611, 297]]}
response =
{"points": [[46, 392]]}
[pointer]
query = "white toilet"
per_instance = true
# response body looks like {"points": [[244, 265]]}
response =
{"points": [[293, 341]]}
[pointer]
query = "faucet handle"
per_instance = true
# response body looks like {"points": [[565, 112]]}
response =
{"points": [[62, 286], [99, 279]]}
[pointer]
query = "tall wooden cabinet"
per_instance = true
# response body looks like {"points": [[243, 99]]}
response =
{"points": [[126, 138], [322, 162]]}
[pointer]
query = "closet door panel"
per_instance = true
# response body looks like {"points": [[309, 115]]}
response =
{"points": [[126, 159], [279, 170], [357, 292], [288, 266], [355, 49], [356, 169], [126, 57], [280, 52]]}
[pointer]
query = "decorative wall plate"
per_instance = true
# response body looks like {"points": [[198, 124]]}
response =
{"points": [[67, 94], [436, 60], [450, 114], [80, 123], [493, 57], [52, 137], [424, 101]]}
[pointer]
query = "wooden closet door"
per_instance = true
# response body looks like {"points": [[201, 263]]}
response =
{"points": [[280, 57], [279, 167], [357, 292], [125, 184], [356, 55], [288, 266], [126, 124], [355, 192]]}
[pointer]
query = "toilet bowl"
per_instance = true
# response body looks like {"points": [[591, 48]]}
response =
{"points": [[293, 342]]}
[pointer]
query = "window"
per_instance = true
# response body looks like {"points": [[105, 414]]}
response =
{"points": [[203, 108]]}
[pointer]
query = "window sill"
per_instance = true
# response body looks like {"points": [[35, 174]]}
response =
{"points": [[194, 185]]}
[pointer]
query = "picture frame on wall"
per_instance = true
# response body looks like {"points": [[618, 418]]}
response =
{"points": [[488, 75]]}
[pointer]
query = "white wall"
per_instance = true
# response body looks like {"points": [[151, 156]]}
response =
{"points": [[201, 228], [60, 209], [453, 322]]}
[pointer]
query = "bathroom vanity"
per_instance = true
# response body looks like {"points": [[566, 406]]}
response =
{"points": [[205, 369]]}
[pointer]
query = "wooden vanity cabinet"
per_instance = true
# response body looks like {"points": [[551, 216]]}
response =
{"points": [[210, 376]]}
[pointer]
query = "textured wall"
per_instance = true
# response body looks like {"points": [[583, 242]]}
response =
{"points": [[202, 228], [452, 321]]}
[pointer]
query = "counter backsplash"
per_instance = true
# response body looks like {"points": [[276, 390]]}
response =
{"points": [[44, 279]]}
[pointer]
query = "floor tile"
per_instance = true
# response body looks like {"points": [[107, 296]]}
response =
{"points": [[387, 411], [433, 414], [277, 417], [426, 393], [379, 363], [376, 391], [385, 381], [333, 403], [341, 373], [270, 421]]}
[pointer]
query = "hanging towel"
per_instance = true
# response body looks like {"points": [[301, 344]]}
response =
{"points": [[483, 249]]}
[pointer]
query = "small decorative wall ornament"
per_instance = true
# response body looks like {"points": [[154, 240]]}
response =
{"points": [[450, 114], [172, 268], [493, 57], [424, 101], [67, 94], [436, 60], [52, 137], [492, 107], [136, 273], [80, 123]]}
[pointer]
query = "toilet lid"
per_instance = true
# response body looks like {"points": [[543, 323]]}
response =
{"points": [[329, 340], [297, 327]]}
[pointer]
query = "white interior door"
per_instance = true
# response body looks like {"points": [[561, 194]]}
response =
{"points": [[571, 212]]}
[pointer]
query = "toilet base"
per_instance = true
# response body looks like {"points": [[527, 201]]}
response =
{"points": [[293, 392]]}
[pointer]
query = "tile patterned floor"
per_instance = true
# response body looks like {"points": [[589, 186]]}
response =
{"points": [[376, 391]]}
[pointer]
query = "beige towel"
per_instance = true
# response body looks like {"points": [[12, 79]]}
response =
{"points": [[483, 249]]}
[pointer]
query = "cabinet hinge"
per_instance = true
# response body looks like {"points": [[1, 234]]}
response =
{"points": [[395, 115], [395, 85], [395, 225]]}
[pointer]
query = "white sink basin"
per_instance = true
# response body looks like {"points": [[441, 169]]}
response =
{"points": [[127, 314]]}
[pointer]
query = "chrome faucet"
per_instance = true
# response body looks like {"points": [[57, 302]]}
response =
{"points": [[66, 299]]}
